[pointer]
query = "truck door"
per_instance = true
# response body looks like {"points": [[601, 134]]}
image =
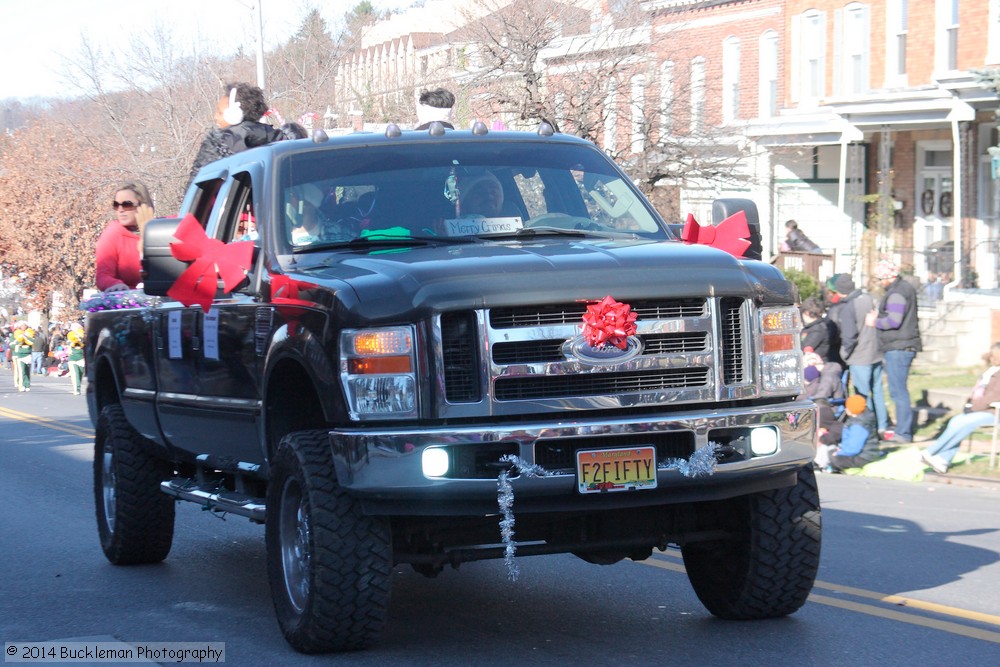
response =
{"points": [[177, 342], [209, 399]]}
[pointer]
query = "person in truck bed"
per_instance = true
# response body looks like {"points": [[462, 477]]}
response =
{"points": [[238, 112], [118, 246]]}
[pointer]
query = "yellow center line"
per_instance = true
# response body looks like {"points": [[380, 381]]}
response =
{"points": [[898, 600], [46, 422], [913, 619], [910, 602]]}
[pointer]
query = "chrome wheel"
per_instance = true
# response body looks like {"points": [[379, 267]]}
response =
{"points": [[295, 539], [108, 487]]}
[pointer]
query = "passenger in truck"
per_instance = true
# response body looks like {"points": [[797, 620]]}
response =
{"points": [[118, 247], [482, 195]]}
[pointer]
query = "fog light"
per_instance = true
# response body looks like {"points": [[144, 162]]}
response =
{"points": [[763, 441], [435, 462]]}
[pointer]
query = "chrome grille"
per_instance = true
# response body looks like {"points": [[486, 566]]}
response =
{"points": [[461, 363], [731, 347], [535, 351], [538, 316], [693, 350], [597, 384]]}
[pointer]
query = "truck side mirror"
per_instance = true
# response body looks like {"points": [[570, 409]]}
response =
{"points": [[723, 208], [159, 268]]}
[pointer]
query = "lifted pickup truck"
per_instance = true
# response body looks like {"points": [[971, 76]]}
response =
{"points": [[422, 318]]}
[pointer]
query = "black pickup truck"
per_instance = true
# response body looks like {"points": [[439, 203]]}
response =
{"points": [[432, 335]]}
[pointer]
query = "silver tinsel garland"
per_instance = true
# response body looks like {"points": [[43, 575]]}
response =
{"points": [[702, 462]]}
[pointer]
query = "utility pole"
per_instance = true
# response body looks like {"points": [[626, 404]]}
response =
{"points": [[260, 46]]}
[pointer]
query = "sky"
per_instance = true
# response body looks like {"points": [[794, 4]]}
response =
{"points": [[36, 38]]}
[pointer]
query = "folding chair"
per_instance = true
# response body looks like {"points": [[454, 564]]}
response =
{"points": [[996, 433]]}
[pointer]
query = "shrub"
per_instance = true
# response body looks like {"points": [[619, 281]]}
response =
{"points": [[806, 284]]}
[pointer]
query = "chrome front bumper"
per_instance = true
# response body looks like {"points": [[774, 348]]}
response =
{"points": [[384, 467]]}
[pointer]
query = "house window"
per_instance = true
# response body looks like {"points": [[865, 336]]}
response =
{"points": [[730, 79], [768, 94], [854, 49], [947, 35], [667, 98], [993, 34], [897, 24], [638, 113], [812, 58], [697, 93]]}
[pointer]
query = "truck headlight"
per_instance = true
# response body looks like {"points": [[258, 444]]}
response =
{"points": [[780, 354], [378, 372]]}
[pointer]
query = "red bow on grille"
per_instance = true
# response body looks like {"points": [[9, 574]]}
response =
{"points": [[608, 321], [211, 260], [729, 235]]}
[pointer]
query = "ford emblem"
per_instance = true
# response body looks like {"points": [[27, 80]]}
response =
{"points": [[578, 348]]}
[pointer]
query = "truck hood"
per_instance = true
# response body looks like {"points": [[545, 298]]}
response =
{"points": [[391, 283]]}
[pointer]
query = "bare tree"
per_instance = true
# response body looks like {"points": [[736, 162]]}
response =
{"points": [[154, 103], [591, 71], [52, 209], [303, 70]]}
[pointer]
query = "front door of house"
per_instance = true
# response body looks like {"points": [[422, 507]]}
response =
{"points": [[932, 226]]}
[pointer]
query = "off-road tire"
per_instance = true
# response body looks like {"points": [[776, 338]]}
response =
{"points": [[135, 520], [329, 565], [768, 566]]}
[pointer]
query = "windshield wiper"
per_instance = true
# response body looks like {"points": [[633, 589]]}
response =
{"points": [[532, 232], [378, 241], [535, 232]]}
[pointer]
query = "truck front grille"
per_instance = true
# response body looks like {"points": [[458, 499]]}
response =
{"points": [[691, 350], [540, 316], [597, 384], [731, 347], [461, 362], [535, 351]]}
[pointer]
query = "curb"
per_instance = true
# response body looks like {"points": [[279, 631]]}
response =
{"points": [[962, 480]]}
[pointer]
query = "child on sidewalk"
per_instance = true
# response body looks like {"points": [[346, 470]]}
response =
{"points": [[858, 441]]}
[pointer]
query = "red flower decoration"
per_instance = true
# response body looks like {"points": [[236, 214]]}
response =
{"points": [[211, 260], [608, 321], [729, 235]]}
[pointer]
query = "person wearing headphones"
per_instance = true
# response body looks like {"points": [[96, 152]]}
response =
{"points": [[238, 115]]}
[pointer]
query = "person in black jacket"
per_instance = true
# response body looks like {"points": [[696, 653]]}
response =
{"points": [[237, 117], [797, 241], [819, 332], [898, 333]]}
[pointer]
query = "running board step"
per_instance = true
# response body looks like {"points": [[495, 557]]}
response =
{"points": [[216, 500]]}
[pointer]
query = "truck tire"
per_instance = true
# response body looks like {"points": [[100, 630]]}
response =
{"points": [[768, 568], [135, 520], [329, 565]]}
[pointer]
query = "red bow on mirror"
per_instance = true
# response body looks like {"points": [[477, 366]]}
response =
{"points": [[730, 235], [211, 260]]}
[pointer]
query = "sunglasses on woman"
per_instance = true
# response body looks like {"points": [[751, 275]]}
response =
{"points": [[127, 205]]}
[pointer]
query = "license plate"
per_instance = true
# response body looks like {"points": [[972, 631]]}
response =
{"points": [[625, 469]]}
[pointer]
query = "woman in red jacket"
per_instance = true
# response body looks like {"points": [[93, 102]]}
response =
{"points": [[118, 247]]}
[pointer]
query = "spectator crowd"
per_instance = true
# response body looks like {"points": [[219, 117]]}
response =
{"points": [[854, 341], [28, 351]]}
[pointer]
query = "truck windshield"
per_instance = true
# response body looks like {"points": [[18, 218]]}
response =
{"points": [[458, 189]]}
